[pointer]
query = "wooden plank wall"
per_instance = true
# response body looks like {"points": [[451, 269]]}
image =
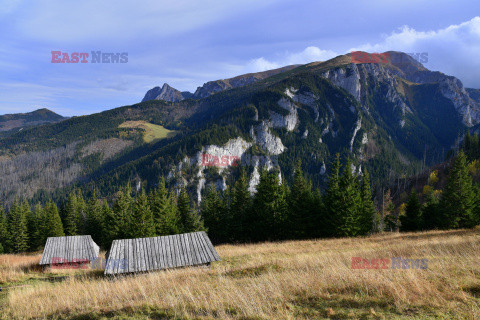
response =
{"points": [[157, 253]]}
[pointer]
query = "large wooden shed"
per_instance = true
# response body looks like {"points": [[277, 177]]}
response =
{"points": [[71, 249], [158, 253]]}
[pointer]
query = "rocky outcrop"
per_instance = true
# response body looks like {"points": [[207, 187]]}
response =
{"points": [[166, 93]]}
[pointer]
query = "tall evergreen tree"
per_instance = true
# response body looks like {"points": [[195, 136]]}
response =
{"points": [[301, 206], [94, 219], [189, 220], [18, 227], [70, 218], [457, 200], [367, 206], [34, 225], [164, 209], [214, 215], [53, 224], [333, 199], [120, 224], [270, 205], [412, 220], [4, 232], [110, 226], [349, 210], [240, 208], [142, 225]]}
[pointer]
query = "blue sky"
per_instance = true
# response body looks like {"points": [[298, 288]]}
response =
{"points": [[186, 43]]}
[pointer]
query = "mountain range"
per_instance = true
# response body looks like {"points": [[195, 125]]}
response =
{"points": [[392, 118]]}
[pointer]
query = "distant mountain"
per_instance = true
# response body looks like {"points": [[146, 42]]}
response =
{"points": [[392, 118], [167, 93], [19, 121]]}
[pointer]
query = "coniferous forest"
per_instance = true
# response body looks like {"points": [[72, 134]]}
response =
{"points": [[277, 211]]}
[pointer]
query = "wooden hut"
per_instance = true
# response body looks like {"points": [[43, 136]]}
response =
{"points": [[69, 250], [158, 253]]}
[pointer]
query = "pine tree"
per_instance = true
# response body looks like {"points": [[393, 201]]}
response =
{"points": [[412, 220], [349, 210], [81, 213], [333, 199], [189, 220], [300, 201], [240, 208], [214, 215], [270, 205], [142, 225], [120, 224], [4, 232], [367, 207], [18, 227], [34, 223], [70, 218], [164, 209], [94, 219], [110, 227], [457, 201], [53, 224]]}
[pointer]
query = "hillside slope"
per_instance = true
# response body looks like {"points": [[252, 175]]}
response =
{"points": [[390, 118]]}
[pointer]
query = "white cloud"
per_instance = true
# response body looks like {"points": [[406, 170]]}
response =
{"points": [[309, 54], [454, 50]]}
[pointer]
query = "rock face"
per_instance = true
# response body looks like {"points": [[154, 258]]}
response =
{"points": [[355, 78], [166, 93]]}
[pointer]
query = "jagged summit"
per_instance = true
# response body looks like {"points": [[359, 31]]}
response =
{"points": [[166, 93]]}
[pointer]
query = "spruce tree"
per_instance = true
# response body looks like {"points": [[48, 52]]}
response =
{"points": [[34, 225], [53, 226], [94, 219], [412, 220], [457, 201], [240, 208], [349, 210], [122, 209], [4, 232], [300, 203], [189, 220], [214, 215], [367, 207], [70, 218], [81, 213], [164, 209], [333, 199], [142, 225], [18, 227], [110, 227], [270, 206]]}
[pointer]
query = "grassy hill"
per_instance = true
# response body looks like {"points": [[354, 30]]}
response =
{"points": [[296, 279]]}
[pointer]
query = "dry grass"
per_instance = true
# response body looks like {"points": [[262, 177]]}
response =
{"points": [[297, 279]]}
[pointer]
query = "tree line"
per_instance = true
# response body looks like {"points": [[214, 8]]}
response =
{"points": [[276, 211]]}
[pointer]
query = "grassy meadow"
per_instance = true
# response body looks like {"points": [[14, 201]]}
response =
{"points": [[311, 279]]}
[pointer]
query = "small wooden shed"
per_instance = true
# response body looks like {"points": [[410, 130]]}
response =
{"points": [[71, 249], [158, 253]]}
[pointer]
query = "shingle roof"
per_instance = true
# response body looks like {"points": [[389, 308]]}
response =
{"points": [[157, 253], [69, 249]]}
